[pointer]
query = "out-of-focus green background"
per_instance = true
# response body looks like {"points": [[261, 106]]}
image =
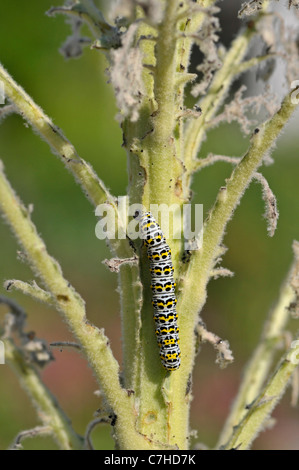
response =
{"points": [[76, 95]]}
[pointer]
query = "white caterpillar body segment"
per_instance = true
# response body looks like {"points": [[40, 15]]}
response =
{"points": [[163, 291]]}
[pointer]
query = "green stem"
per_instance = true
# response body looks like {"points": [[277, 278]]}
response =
{"points": [[190, 300], [228, 198], [97, 193], [47, 407], [158, 159], [188, 26], [94, 343], [263, 406], [30, 289], [163, 172], [91, 185], [96, 16], [133, 133], [161, 164], [210, 104], [258, 368], [60, 145]]}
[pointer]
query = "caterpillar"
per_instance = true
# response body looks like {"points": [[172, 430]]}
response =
{"points": [[163, 291]]}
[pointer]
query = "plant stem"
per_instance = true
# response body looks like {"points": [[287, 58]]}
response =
{"points": [[258, 368], [47, 407], [227, 200], [190, 300], [60, 145], [94, 343], [163, 173], [30, 433], [91, 184], [30, 289], [210, 104], [264, 404], [97, 193]]}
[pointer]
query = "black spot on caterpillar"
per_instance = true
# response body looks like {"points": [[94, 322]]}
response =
{"points": [[163, 291]]}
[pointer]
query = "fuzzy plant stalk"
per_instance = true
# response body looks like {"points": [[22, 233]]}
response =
{"points": [[148, 47], [261, 408], [55, 423], [25, 359], [251, 393]]}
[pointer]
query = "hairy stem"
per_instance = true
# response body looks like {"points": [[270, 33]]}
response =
{"points": [[30, 433], [190, 300], [94, 343], [30, 289], [97, 193], [60, 145], [261, 409], [47, 407], [217, 92], [163, 171], [258, 368]]}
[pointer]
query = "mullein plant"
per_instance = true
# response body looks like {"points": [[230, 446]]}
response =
{"points": [[148, 44]]}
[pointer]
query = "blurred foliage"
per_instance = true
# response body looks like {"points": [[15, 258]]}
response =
{"points": [[76, 95]]}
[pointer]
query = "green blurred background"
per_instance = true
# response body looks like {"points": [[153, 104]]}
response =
{"points": [[76, 95]]}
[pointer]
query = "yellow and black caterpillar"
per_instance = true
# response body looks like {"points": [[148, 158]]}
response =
{"points": [[163, 291]]}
